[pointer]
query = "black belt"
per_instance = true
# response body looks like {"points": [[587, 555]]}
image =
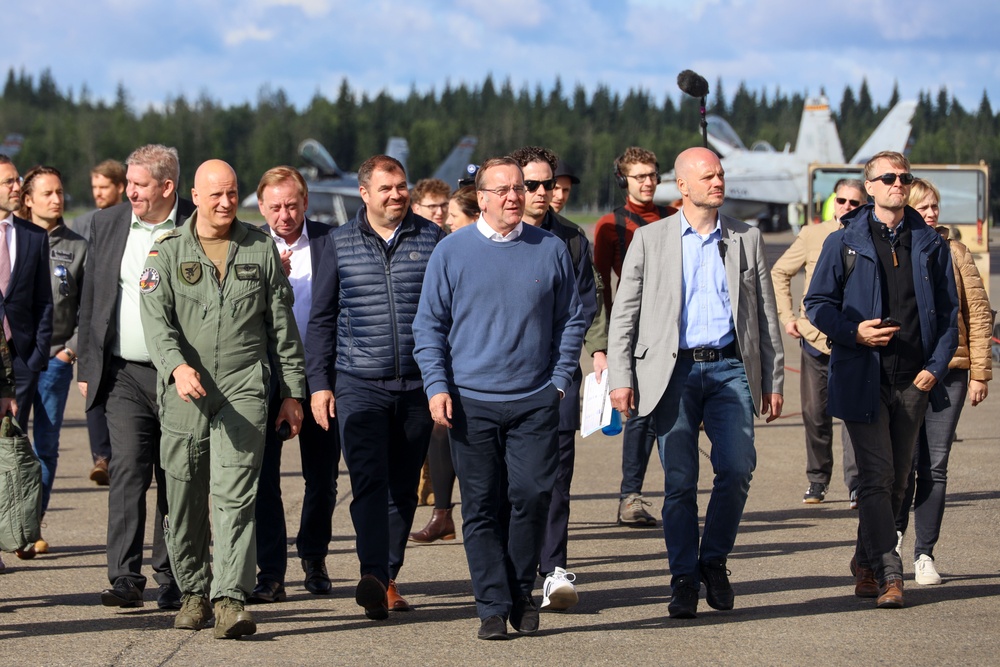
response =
{"points": [[709, 353], [144, 364]]}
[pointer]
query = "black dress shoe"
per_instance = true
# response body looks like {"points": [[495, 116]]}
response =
{"points": [[524, 615], [317, 580], [169, 596], [267, 591], [493, 627], [718, 590], [371, 595], [684, 602], [123, 594]]}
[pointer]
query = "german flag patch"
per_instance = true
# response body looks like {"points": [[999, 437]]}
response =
{"points": [[154, 252]]}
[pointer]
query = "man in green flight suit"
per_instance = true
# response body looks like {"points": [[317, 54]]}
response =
{"points": [[216, 307]]}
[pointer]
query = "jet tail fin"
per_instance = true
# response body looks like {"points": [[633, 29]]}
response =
{"points": [[399, 148], [891, 134], [818, 140], [453, 167]]}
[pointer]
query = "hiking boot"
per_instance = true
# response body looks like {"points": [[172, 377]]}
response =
{"points": [[232, 620], [194, 614]]}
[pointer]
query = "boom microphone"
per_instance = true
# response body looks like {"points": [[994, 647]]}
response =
{"points": [[695, 85], [692, 83]]}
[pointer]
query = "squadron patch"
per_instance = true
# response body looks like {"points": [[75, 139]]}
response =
{"points": [[248, 271], [191, 272], [149, 280]]}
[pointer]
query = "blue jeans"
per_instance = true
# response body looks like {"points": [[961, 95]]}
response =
{"points": [[49, 405], [929, 479], [637, 446], [717, 394]]}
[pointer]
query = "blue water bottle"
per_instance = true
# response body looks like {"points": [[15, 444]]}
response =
{"points": [[615, 427]]}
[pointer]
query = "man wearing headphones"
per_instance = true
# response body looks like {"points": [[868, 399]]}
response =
{"points": [[637, 173]]}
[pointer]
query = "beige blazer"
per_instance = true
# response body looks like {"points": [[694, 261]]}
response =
{"points": [[804, 252], [646, 317]]}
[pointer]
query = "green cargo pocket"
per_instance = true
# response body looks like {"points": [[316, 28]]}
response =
{"points": [[177, 453]]}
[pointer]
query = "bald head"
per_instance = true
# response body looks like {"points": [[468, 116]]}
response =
{"points": [[701, 181], [216, 196]]}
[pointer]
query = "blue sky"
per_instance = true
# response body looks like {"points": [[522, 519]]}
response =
{"points": [[230, 49]]}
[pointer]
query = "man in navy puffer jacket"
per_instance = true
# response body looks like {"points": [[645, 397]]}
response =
{"points": [[361, 370]]}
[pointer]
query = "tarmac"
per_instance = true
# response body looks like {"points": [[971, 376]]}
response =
{"points": [[794, 594]]}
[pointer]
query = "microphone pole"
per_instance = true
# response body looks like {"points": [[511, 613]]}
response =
{"points": [[696, 86]]}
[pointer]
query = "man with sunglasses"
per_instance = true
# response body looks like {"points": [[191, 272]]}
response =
{"points": [[637, 172], [884, 292], [815, 357], [539, 165], [497, 337]]}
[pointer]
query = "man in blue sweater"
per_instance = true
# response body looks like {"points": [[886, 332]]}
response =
{"points": [[498, 335]]}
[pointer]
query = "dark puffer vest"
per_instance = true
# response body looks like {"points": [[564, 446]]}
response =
{"points": [[379, 292]]}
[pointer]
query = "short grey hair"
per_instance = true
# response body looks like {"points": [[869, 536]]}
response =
{"points": [[161, 161]]}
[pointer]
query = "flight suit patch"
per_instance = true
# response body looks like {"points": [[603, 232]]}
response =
{"points": [[191, 272], [149, 280], [248, 271], [61, 255]]}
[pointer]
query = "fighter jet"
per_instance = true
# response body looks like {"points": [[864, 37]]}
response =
{"points": [[333, 193], [766, 185]]}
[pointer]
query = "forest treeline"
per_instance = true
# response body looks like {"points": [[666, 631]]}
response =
{"points": [[74, 132]]}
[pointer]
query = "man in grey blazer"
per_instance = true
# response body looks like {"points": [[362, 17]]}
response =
{"points": [[682, 349], [115, 369]]}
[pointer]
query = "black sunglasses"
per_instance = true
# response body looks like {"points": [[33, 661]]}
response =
{"points": [[531, 186], [889, 179], [854, 202]]}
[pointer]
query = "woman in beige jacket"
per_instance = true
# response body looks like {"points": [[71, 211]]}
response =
{"points": [[968, 373]]}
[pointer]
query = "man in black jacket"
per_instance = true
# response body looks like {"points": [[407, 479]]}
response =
{"points": [[360, 368], [283, 198], [538, 165]]}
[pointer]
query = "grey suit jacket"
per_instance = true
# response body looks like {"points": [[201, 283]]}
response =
{"points": [[646, 317], [98, 322]]}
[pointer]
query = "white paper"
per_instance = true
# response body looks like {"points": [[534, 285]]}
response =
{"points": [[596, 411]]}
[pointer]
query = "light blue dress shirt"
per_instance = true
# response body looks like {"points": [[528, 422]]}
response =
{"points": [[707, 316]]}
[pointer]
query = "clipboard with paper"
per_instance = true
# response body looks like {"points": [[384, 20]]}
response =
{"points": [[596, 409]]}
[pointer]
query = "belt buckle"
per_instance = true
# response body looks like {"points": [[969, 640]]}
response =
{"points": [[704, 354]]}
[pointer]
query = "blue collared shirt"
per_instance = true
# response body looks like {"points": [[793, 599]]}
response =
{"points": [[707, 317]]}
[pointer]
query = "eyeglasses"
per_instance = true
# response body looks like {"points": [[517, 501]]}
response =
{"points": [[62, 273], [505, 190], [889, 179], [438, 207], [531, 186], [10, 182], [651, 176], [853, 202]]}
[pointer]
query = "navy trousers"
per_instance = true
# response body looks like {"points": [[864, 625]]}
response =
{"points": [[505, 455]]}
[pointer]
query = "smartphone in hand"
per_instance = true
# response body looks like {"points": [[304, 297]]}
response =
{"points": [[888, 322]]}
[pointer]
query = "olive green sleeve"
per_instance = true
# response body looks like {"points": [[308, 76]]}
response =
{"points": [[156, 307], [284, 340], [596, 339]]}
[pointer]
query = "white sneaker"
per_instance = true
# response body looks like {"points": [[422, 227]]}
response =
{"points": [[924, 571], [899, 544], [559, 593]]}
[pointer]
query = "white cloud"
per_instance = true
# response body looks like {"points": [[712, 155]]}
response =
{"points": [[249, 33]]}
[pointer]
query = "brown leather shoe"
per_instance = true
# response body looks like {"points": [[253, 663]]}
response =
{"points": [[99, 473], [891, 594], [396, 601], [865, 585], [440, 527]]}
